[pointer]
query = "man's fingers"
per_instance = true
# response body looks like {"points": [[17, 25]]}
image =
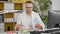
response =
{"points": [[38, 26], [18, 26]]}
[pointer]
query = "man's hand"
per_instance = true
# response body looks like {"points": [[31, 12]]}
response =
{"points": [[38, 26], [18, 26]]}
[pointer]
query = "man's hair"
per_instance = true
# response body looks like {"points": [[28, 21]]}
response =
{"points": [[29, 2]]}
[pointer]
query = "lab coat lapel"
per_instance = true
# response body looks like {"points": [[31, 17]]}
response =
{"points": [[33, 19], [33, 24]]}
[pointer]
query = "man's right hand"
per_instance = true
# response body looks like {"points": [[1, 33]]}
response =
{"points": [[18, 26]]}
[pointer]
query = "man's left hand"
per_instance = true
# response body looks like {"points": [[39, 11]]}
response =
{"points": [[38, 26]]}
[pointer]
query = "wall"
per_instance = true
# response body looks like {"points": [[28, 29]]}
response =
{"points": [[55, 4]]}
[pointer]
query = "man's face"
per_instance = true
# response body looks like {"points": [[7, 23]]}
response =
{"points": [[28, 7]]}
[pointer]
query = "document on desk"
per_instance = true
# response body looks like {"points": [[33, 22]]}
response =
{"points": [[46, 30]]}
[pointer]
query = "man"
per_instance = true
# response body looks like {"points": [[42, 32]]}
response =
{"points": [[29, 19]]}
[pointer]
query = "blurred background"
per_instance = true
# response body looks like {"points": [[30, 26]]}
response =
{"points": [[10, 9]]}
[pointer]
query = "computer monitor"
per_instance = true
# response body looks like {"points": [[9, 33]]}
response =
{"points": [[53, 19]]}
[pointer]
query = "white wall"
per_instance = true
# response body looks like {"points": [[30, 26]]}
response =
{"points": [[55, 4]]}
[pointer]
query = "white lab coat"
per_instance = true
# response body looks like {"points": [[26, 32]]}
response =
{"points": [[35, 19]]}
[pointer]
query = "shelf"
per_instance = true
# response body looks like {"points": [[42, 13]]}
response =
{"points": [[18, 6], [9, 26], [1, 6], [9, 15], [18, 1]]}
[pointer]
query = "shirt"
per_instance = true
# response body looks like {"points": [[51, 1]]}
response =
{"points": [[30, 21]]}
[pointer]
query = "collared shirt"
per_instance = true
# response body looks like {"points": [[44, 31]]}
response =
{"points": [[29, 21]]}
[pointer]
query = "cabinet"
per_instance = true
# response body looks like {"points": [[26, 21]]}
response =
{"points": [[18, 6], [1, 6], [9, 26], [9, 15]]}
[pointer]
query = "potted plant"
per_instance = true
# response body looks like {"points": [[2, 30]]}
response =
{"points": [[41, 6]]}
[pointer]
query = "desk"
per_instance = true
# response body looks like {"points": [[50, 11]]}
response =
{"points": [[45, 31]]}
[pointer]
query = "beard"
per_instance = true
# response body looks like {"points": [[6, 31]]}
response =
{"points": [[29, 12]]}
